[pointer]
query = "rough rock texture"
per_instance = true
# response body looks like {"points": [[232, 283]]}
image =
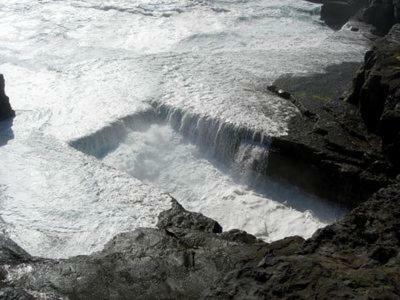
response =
{"points": [[383, 14], [5, 107], [177, 262], [178, 218], [328, 151], [376, 93], [356, 258]]}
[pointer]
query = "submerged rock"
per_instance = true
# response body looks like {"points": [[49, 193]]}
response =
{"points": [[6, 111]]}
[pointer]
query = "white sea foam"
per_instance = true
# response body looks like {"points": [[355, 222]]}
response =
{"points": [[73, 67]]}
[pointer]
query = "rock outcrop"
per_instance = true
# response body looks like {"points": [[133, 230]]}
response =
{"points": [[328, 150], [6, 111], [383, 14], [336, 13], [376, 92], [356, 258], [179, 260], [186, 258]]}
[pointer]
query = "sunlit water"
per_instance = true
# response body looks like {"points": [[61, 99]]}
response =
{"points": [[74, 66]]}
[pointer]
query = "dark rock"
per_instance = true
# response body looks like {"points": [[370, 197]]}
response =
{"points": [[328, 150], [145, 264], [355, 29], [10, 252], [6, 111], [355, 257], [272, 88], [336, 13], [9, 293], [284, 94], [178, 217], [380, 13], [376, 92]]}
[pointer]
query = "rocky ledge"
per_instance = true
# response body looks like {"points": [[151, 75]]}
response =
{"points": [[345, 144], [188, 256], [383, 14], [6, 111]]}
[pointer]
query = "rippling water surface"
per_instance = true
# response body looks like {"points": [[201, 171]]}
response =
{"points": [[73, 67]]}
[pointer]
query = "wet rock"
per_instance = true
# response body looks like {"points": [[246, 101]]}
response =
{"points": [[179, 218], [283, 94], [6, 111]]}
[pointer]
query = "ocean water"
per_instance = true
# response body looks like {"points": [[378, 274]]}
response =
{"points": [[75, 69]]}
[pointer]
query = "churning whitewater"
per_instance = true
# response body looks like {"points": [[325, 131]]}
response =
{"points": [[121, 103]]}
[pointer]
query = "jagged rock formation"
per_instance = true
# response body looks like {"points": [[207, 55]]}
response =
{"points": [[356, 258], [179, 260], [6, 111], [188, 257], [328, 151], [335, 150], [383, 14], [377, 95]]}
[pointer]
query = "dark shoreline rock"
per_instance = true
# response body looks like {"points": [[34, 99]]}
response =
{"points": [[376, 93], [357, 256], [328, 150], [382, 14], [6, 111]]}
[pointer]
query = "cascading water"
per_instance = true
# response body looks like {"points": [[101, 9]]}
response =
{"points": [[186, 163], [164, 95]]}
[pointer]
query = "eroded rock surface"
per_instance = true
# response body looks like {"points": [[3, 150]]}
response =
{"points": [[329, 150], [354, 258], [376, 92], [180, 259]]}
